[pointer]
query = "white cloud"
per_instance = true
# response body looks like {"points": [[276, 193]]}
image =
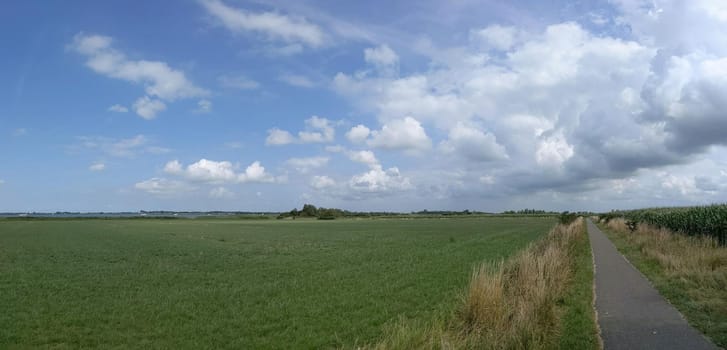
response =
{"points": [[380, 181], [204, 106], [335, 148], [382, 57], [553, 151], [97, 166], [128, 147], [358, 134], [217, 172], [118, 109], [365, 157], [20, 132], [211, 171], [148, 108], [221, 193], [160, 81], [173, 167], [487, 179], [255, 173], [2, 181], [428, 98], [273, 25], [322, 182], [238, 82], [158, 78], [277, 137], [473, 144], [403, 134], [317, 130], [163, 187], [297, 80], [496, 36], [305, 165], [684, 185]]}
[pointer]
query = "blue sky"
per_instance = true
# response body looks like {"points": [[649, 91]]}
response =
{"points": [[485, 105]]}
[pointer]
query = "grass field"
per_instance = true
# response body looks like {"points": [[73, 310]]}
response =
{"points": [[237, 284], [539, 298]]}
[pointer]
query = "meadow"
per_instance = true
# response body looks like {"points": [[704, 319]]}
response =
{"points": [[239, 283]]}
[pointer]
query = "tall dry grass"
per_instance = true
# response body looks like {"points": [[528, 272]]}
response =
{"points": [[509, 305], [697, 258]]}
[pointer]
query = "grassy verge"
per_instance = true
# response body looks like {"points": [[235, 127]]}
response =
{"points": [[539, 299], [579, 329], [690, 272]]}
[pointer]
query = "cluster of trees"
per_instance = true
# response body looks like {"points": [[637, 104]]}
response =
{"points": [[529, 212], [446, 212], [310, 211]]}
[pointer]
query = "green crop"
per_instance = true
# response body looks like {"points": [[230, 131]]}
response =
{"points": [[708, 221]]}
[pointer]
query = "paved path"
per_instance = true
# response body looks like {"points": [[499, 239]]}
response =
{"points": [[631, 313]]}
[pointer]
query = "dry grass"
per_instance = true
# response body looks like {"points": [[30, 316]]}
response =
{"points": [[511, 305], [695, 258], [690, 271]]}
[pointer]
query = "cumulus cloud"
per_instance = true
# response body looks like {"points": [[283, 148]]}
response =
{"points": [[125, 147], [322, 182], [497, 37], [473, 144], [221, 193], [277, 137], [317, 130], [305, 165], [297, 80], [97, 166], [204, 106], [238, 82], [543, 104], [383, 58], [358, 134], [159, 80], [148, 108], [163, 187], [218, 172], [118, 109], [365, 157], [271, 25], [553, 152], [401, 134], [381, 182]]}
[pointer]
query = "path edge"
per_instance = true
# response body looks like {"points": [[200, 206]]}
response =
{"points": [[593, 285]]}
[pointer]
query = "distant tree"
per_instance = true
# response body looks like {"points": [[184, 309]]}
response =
{"points": [[309, 210]]}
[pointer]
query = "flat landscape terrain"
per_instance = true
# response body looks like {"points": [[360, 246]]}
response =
{"points": [[237, 283]]}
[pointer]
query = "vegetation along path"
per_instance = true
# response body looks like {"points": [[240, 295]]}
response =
{"points": [[631, 313]]}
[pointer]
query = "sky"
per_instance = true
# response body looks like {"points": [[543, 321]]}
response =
{"points": [[365, 105]]}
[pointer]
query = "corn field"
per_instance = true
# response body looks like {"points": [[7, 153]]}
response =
{"points": [[708, 221]]}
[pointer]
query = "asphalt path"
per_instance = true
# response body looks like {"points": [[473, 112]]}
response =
{"points": [[631, 313]]}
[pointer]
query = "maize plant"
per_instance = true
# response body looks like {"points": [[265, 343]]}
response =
{"points": [[702, 220]]}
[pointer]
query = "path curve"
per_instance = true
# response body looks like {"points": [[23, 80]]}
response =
{"points": [[631, 313]]}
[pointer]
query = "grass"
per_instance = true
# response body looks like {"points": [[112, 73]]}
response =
{"points": [[690, 272], [238, 284], [541, 298], [578, 327]]}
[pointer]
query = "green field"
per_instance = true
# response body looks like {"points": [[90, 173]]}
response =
{"points": [[237, 283]]}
